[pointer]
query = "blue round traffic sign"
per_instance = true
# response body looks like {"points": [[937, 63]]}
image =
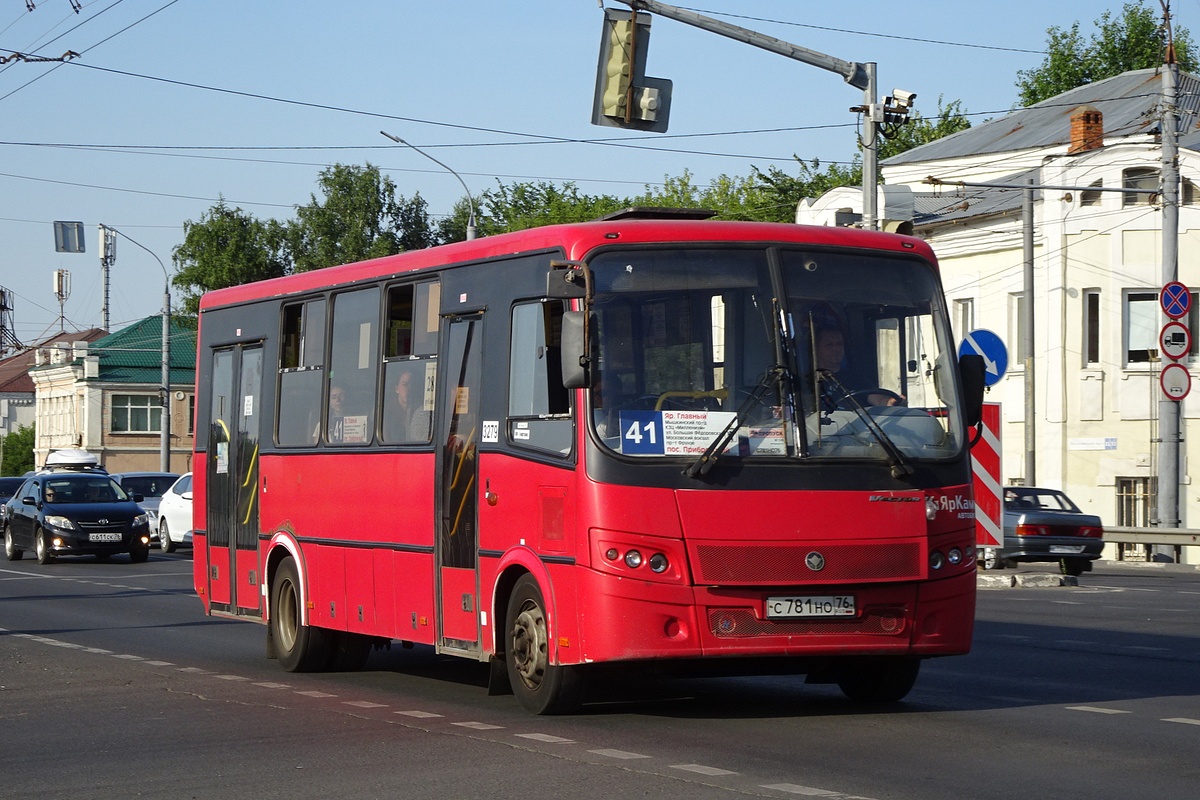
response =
{"points": [[982, 342], [1175, 300]]}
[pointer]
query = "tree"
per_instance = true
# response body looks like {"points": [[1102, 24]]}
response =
{"points": [[518, 206], [1135, 40], [921, 130], [18, 451], [360, 217], [227, 247]]}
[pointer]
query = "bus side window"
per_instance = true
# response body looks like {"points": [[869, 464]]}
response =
{"points": [[539, 407], [301, 366], [353, 366], [410, 368]]}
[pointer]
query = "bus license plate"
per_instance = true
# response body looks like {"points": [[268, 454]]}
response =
{"points": [[833, 605], [104, 537]]}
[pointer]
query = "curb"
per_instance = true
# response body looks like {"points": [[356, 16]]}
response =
{"points": [[1024, 581]]}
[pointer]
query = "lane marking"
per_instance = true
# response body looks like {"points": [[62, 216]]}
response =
{"points": [[1098, 710], [703, 770], [419, 714], [808, 791], [617, 754], [364, 704], [230, 678], [545, 737], [317, 694], [1183, 720], [478, 726], [273, 685]]}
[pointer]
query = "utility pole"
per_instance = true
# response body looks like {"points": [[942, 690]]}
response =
{"points": [[1169, 433]]}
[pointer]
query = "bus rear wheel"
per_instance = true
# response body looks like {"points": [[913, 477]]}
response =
{"points": [[299, 647], [886, 679], [540, 687]]}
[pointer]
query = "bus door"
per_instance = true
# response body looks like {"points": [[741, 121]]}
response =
{"points": [[232, 497], [457, 437]]}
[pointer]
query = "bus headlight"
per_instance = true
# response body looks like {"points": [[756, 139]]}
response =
{"points": [[659, 563], [633, 559]]}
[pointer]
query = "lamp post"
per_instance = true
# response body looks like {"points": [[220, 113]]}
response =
{"points": [[164, 459], [470, 200]]}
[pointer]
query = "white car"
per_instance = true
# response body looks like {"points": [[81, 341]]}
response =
{"points": [[175, 515]]}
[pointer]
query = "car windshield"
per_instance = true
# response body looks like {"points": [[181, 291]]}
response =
{"points": [[70, 489], [697, 347]]}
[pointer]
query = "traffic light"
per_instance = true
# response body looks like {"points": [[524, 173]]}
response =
{"points": [[625, 97]]}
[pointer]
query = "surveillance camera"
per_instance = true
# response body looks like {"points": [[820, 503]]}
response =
{"points": [[904, 99]]}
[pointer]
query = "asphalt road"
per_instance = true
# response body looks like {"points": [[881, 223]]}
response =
{"points": [[113, 684]]}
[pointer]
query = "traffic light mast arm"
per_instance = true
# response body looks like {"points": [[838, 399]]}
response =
{"points": [[854, 73]]}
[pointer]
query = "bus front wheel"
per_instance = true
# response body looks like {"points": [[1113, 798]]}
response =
{"points": [[540, 687], [299, 647], [886, 679]]}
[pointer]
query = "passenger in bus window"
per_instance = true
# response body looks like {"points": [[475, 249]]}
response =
{"points": [[398, 417], [337, 397]]}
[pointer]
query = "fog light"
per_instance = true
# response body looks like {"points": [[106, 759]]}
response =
{"points": [[658, 563], [633, 559], [969, 552], [611, 554], [936, 559], [954, 556]]}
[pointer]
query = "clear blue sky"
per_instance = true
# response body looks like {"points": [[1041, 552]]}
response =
{"points": [[174, 104]]}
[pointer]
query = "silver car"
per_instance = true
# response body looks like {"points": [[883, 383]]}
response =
{"points": [[1044, 525]]}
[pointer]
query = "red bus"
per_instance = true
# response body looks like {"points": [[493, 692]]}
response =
{"points": [[616, 441]]}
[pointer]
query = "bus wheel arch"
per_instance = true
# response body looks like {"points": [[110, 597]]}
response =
{"points": [[540, 686]]}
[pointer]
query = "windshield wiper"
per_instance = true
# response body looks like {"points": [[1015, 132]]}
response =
{"points": [[773, 377], [900, 467]]}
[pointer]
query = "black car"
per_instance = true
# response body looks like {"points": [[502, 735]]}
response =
{"points": [[1044, 525], [74, 513]]}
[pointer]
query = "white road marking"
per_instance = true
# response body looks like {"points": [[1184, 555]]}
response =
{"points": [[547, 738], [479, 726], [703, 770], [1097, 710], [617, 754], [419, 714]]}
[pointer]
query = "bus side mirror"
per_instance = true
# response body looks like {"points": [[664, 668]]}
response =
{"points": [[971, 367], [566, 281], [575, 353]]}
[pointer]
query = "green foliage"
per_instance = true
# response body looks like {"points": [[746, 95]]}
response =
{"points": [[1134, 40], [921, 130], [18, 451], [227, 247], [360, 217], [518, 206]]}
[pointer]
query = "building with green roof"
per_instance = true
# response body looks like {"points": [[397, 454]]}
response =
{"points": [[106, 396]]}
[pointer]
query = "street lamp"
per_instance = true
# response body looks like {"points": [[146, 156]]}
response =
{"points": [[470, 200], [164, 459]]}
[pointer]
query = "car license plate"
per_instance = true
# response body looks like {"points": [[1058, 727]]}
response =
{"points": [[104, 537], [1066, 548], [830, 605]]}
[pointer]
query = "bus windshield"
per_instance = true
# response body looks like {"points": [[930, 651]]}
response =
{"points": [[831, 354]]}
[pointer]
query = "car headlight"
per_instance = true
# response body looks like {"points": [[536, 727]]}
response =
{"points": [[56, 521], [141, 519]]}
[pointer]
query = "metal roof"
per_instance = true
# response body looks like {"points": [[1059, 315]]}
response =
{"points": [[1129, 103]]}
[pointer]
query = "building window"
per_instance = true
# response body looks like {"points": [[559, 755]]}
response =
{"points": [[1139, 178], [136, 413], [1142, 323], [1187, 193], [1016, 324], [1090, 196], [964, 317], [1091, 326]]}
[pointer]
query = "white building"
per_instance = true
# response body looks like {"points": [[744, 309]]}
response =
{"points": [[1097, 277]]}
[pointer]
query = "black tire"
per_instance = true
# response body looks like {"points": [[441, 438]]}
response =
{"points": [[299, 647], [139, 553], [349, 652], [886, 679], [164, 537], [44, 554], [540, 687], [1072, 566], [11, 551]]}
